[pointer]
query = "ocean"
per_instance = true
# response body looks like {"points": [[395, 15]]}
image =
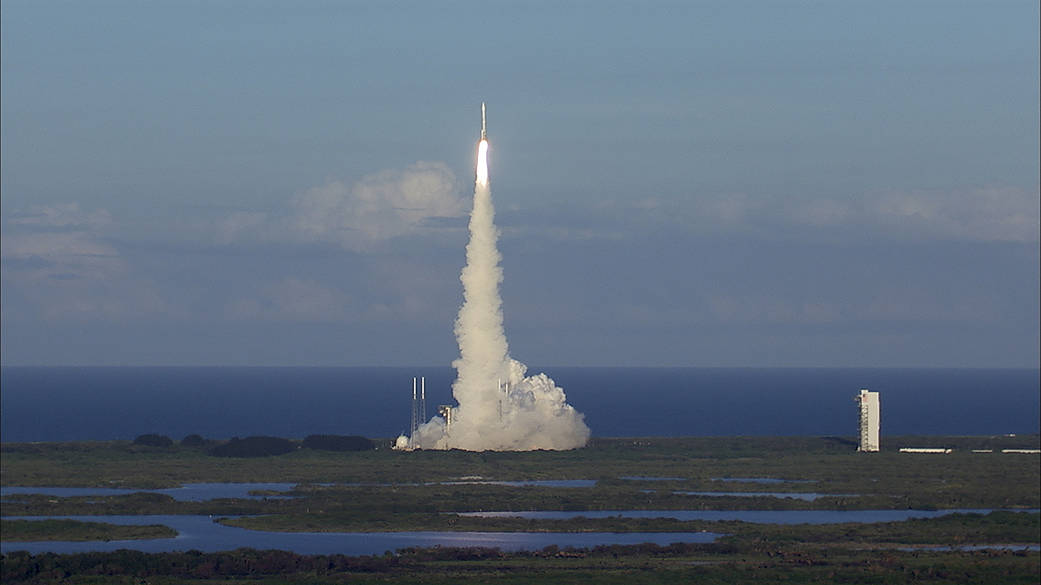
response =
{"points": [[105, 403]]}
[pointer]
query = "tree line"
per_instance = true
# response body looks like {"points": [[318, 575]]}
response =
{"points": [[261, 445], [21, 566]]}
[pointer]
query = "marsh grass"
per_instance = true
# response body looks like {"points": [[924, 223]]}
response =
{"points": [[74, 530], [398, 491]]}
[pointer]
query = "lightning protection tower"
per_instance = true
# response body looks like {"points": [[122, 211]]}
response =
{"points": [[422, 401], [415, 413], [870, 419]]}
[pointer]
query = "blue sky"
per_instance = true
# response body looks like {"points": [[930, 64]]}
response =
{"points": [[694, 183]]}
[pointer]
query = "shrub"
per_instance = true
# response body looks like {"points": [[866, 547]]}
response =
{"points": [[193, 441], [253, 447], [338, 443], [153, 440]]}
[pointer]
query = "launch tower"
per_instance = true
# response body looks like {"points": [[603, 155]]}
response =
{"points": [[869, 420]]}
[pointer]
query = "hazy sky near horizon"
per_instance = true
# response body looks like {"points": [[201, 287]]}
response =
{"points": [[677, 183]]}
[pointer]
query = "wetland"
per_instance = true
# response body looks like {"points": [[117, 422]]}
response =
{"points": [[704, 494]]}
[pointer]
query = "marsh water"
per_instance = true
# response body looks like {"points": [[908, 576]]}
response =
{"points": [[204, 534], [754, 516], [806, 496], [203, 492], [190, 492]]}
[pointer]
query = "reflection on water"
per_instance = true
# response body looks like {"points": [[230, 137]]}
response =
{"points": [[201, 492], [203, 534], [969, 547], [762, 480], [809, 497], [189, 492], [755, 516], [577, 483]]}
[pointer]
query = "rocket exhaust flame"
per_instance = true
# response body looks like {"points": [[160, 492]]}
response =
{"points": [[533, 413], [482, 164]]}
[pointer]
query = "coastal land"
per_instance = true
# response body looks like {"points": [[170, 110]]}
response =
{"points": [[381, 490]]}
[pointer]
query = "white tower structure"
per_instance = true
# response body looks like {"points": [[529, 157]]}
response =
{"points": [[422, 400], [870, 419], [415, 413]]}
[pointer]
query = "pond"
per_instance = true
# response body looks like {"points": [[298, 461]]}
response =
{"points": [[754, 516], [970, 547], [809, 497], [575, 483], [203, 534], [762, 480], [190, 492]]}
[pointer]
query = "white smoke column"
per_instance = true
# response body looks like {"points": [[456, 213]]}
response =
{"points": [[534, 413], [483, 350]]}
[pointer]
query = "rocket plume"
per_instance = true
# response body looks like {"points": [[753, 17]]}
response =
{"points": [[499, 407]]}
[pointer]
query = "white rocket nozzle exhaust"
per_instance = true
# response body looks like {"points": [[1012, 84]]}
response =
{"points": [[484, 124]]}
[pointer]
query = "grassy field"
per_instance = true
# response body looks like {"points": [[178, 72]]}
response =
{"points": [[73, 530], [384, 483], [642, 564], [831, 460]]}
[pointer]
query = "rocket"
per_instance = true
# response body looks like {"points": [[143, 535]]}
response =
{"points": [[484, 124]]}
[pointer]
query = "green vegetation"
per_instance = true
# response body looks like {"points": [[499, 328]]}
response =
{"points": [[715, 564], [831, 462], [952, 530], [887, 480], [253, 447], [338, 443], [134, 504], [955, 529], [384, 490], [37, 530], [153, 440], [193, 440]]}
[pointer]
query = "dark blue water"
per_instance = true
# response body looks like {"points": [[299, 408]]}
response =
{"points": [[76, 403], [753, 516], [204, 492], [202, 533], [190, 492], [805, 496]]}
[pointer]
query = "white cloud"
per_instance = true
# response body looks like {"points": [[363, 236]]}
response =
{"points": [[376, 208], [989, 214], [62, 255], [63, 215], [731, 208], [239, 223], [58, 260], [992, 214], [380, 206], [822, 212], [899, 302]]}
